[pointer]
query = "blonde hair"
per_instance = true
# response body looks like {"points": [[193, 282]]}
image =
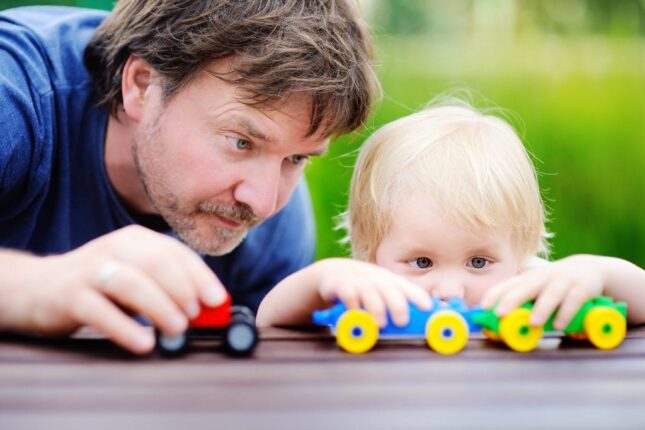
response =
{"points": [[473, 165]]}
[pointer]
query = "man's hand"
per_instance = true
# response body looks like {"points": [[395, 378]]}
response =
{"points": [[132, 270]]}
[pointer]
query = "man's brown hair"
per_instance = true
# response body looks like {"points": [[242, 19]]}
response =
{"points": [[279, 47]]}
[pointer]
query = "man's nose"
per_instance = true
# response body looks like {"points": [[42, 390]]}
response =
{"points": [[259, 189], [447, 287]]}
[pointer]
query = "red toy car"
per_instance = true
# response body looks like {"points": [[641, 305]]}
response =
{"points": [[235, 325]]}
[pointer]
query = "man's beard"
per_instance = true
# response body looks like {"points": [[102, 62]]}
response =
{"points": [[218, 239], [215, 239]]}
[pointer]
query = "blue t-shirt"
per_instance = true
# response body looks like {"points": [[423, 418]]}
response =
{"points": [[54, 191]]}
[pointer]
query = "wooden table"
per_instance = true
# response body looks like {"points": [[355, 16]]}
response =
{"points": [[301, 380]]}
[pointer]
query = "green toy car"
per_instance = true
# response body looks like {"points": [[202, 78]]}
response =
{"points": [[600, 320]]}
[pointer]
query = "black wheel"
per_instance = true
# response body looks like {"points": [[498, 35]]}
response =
{"points": [[241, 336], [171, 345], [243, 313]]}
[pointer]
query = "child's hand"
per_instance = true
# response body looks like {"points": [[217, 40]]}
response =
{"points": [[566, 283], [376, 289]]}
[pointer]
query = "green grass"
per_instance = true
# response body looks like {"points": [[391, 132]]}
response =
{"points": [[578, 105]]}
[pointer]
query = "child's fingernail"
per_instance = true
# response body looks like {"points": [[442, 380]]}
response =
{"points": [[381, 320], [401, 321]]}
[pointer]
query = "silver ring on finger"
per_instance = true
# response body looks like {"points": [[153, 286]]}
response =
{"points": [[107, 272]]}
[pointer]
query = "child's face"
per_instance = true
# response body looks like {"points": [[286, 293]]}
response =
{"points": [[443, 258]]}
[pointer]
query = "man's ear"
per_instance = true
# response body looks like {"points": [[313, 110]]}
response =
{"points": [[135, 81]]}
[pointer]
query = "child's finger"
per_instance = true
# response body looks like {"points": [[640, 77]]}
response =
{"points": [[548, 300], [397, 304], [346, 293], [575, 297], [374, 304], [493, 295], [415, 294], [518, 294]]}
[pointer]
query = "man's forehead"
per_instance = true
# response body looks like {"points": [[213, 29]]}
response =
{"points": [[293, 111], [296, 106]]}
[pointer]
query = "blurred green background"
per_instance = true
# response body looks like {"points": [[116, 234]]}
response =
{"points": [[570, 75]]}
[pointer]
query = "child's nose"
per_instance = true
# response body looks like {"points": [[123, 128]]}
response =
{"points": [[447, 288]]}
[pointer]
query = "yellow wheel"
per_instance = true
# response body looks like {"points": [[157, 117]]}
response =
{"points": [[356, 331], [447, 332], [517, 333], [605, 327], [490, 334]]}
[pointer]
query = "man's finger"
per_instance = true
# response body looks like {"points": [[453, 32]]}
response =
{"points": [[92, 309], [209, 288], [132, 288]]}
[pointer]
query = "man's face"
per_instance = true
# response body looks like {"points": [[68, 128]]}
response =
{"points": [[213, 167]]}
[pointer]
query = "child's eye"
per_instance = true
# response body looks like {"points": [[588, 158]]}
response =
{"points": [[478, 262], [420, 262], [241, 144]]}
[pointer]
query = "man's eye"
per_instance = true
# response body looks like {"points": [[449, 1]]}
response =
{"points": [[420, 262], [241, 144], [298, 159], [478, 262]]}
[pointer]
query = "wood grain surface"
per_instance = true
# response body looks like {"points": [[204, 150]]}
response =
{"points": [[299, 379]]}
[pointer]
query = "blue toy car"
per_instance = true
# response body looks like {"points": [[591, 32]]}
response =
{"points": [[446, 326]]}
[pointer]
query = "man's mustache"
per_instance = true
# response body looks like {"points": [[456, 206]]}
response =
{"points": [[237, 211]]}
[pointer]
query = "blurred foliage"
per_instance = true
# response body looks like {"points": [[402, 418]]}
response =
{"points": [[607, 17], [96, 4], [570, 75]]}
